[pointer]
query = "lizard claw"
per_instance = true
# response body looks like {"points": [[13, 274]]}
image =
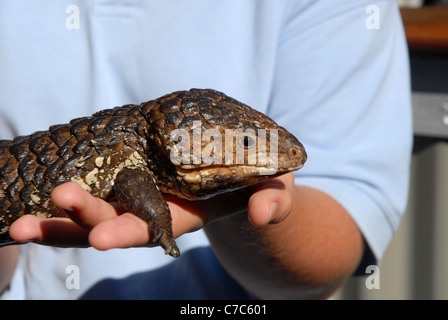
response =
{"points": [[167, 243]]}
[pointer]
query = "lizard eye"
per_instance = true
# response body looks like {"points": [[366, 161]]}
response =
{"points": [[246, 142]]}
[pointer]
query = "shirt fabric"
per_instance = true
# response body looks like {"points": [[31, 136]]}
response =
{"points": [[322, 69]]}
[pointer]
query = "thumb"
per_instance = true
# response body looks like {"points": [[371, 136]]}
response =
{"points": [[272, 200]]}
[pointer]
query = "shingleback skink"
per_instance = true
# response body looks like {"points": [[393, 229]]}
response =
{"points": [[194, 144]]}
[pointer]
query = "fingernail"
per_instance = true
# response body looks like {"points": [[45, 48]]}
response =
{"points": [[69, 209], [272, 211]]}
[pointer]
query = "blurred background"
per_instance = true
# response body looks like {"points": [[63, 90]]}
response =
{"points": [[416, 263]]}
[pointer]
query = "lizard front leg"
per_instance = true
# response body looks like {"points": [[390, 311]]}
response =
{"points": [[137, 192]]}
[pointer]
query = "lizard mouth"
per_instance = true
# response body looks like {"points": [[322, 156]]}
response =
{"points": [[203, 183], [211, 180], [246, 174], [223, 173]]}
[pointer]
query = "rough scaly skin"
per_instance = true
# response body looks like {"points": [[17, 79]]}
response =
{"points": [[126, 153]]}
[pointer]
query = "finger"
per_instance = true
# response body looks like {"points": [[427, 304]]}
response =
{"points": [[271, 201], [61, 232], [187, 216], [126, 230], [81, 206]]}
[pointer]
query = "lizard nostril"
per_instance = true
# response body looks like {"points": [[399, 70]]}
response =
{"points": [[294, 152]]}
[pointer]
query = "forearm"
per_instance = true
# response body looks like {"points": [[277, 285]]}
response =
{"points": [[8, 262], [308, 255]]}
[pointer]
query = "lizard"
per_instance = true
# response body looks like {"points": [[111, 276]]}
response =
{"points": [[193, 144]]}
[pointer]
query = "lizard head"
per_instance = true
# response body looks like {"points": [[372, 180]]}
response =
{"points": [[214, 144]]}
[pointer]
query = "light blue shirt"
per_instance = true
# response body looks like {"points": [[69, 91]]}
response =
{"points": [[334, 74]]}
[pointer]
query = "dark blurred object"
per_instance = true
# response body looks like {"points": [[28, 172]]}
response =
{"points": [[427, 35], [436, 2]]}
